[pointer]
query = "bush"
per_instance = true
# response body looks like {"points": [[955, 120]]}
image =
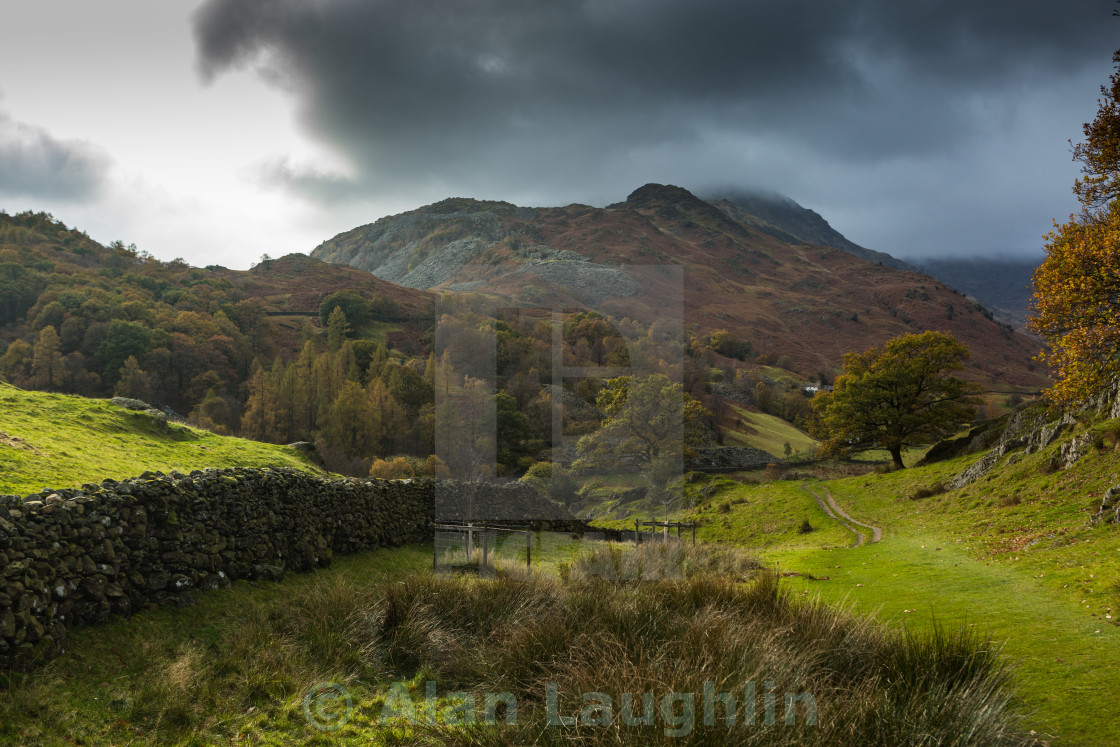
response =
{"points": [[397, 469], [805, 527]]}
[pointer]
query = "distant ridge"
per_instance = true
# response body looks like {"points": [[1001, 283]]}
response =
{"points": [[787, 220]]}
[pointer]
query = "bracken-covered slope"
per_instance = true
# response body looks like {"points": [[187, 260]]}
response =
{"points": [[806, 302]]}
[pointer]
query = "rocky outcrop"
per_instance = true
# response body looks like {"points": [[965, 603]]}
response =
{"points": [[1109, 511], [1028, 428], [74, 557], [1107, 402], [129, 403], [1071, 451], [981, 436]]}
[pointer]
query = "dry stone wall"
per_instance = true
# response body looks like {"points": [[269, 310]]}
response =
{"points": [[74, 557]]}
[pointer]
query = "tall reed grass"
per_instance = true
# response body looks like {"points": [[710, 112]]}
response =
{"points": [[523, 634]]}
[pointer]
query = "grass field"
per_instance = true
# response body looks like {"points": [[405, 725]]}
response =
{"points": [[768, 433], [1011, 555], [326, 657], [61, 441]]}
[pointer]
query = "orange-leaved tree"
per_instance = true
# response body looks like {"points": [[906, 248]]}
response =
{"points": [[1076, 304]]}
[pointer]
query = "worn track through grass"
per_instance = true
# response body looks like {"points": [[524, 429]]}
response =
{"points": [[829, 506]]}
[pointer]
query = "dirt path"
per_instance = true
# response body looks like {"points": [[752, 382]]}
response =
{"points": [[829, 506]]}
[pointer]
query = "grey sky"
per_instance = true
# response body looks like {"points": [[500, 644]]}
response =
{"points": [[914, 127]]}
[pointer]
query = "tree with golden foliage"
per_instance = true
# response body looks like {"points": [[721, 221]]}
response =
{"points": [[1076, 304]]}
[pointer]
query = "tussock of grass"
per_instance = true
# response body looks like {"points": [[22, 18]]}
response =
{"points": [[657, 560], [871, 685], [245, 676]]}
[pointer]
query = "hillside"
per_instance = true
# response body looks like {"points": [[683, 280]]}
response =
{"points": [[1003, 285], [803, 303], [77, 317], [1024, 553], [56, 441]]}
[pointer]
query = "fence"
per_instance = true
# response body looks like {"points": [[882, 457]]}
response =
{"points": [[480, 547], [663, 535]]}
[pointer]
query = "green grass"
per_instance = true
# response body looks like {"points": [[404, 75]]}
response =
{"points": [[1011, 556], [769, 433], [750, 515], [66, 441], [236, 663], [241, 665]]}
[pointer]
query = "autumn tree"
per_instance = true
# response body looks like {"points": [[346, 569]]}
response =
{"points": [[1099, 154], [134, 382], [1076, 304], [46, 367], [351, 423], [212, 413], [898, 395], [649, 422], [338, 328], [15, 364]]}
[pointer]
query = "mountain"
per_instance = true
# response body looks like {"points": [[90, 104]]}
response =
{"points": [[1003, 285], [785, 219], [794, 299]]}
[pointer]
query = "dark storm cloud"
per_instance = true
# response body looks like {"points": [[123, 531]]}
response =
{"points": [[501, 97], [33, 163]]}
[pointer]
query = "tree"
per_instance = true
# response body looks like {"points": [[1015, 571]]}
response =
{"points": [[1076, 305], [351, 424], [727, 344], [15, 364], [46, 367], [895, 396], [212, 413], [134, 382], [357, 309], [648, 423], [1076, 301], [123, 339], [338, 329], [1099, 155]]}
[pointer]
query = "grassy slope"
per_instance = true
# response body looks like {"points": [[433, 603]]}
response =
{"points": [[65, 441], [770, 434], [1011, 555]]}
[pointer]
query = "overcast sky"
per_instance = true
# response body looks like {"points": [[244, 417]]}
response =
{"points": [[220, 130]]}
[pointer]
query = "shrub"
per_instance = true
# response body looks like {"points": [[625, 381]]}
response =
{"points": [[397, 469], [805, 527]]}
